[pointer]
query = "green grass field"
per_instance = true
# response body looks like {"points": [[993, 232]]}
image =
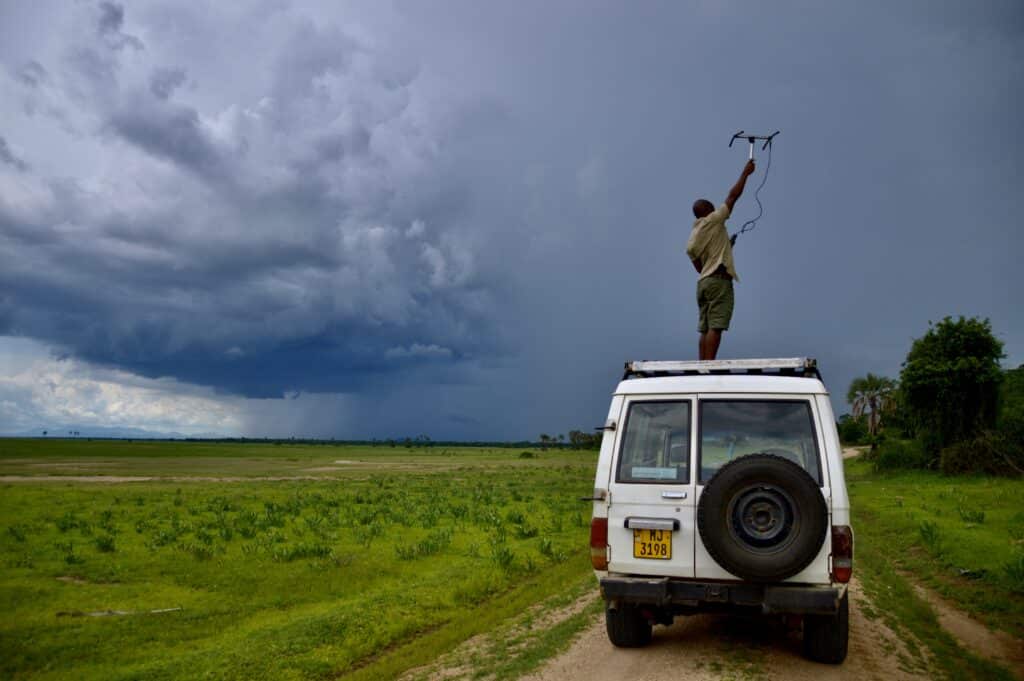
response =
{"points": [[322, 561], [962, 537], [398, 556]]}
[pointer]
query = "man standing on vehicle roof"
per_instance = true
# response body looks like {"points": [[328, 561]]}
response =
{"points": [[710, 249]]}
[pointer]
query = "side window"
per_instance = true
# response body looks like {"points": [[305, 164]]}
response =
{"points": [[656, 444], [730, 429]]}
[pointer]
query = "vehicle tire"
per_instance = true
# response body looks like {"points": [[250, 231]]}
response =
{"points": [[826, 636], [762, 518], [627, 627]]}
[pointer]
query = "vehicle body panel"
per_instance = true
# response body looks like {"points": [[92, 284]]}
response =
{"points": [[670, 500], [690, 559]]}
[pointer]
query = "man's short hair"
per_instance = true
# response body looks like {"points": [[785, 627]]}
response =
{"points": [[702, 208]]}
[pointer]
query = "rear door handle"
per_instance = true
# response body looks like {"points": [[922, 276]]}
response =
{"points": [[673, 495], [668, 524]]}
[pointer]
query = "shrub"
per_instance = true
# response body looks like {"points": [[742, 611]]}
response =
{"points": [[990, 452], [899, 454], [66, 522], [502, 556], [526, 531], [969, 515], [434, 543], [1011, 403], [1014, 570], [288, 553], [105, 543], [198, 551], [930, 536], [852, 430]]}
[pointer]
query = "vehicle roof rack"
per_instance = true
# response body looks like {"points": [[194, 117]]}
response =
{"points": [[784, 366]]}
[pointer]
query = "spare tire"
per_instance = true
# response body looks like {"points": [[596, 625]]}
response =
{"points": [[762, 518]]}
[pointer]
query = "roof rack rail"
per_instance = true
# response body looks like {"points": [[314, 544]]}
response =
{"points": [[784, 366]]}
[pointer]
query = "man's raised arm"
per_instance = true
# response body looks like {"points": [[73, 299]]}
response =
{"points": [[737, 189]]}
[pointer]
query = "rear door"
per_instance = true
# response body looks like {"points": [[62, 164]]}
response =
{"points": [[651, 514], [733, 426]]}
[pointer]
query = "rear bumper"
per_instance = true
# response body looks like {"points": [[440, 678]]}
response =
{"points": [[769, 598]]}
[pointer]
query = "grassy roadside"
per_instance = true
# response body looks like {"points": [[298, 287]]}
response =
{"points": [[959, 537], [512, 637]]}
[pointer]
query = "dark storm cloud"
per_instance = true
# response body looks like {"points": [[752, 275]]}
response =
{"points": [[289, 241], [7, 156], [467, 219], [165, 81], [31, 73], [111, 20], [170, 132]]}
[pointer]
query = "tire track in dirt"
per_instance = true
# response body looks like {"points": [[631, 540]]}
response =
{"points": [[996, 646]]}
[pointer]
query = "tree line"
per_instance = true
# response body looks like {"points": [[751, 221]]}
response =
{"points": [[953, 408]]}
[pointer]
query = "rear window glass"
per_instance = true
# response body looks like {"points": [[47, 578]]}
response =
{"points": [[730, 429], [656, 445]]}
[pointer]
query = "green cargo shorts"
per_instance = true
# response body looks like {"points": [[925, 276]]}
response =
{"points": [[715, 300]]}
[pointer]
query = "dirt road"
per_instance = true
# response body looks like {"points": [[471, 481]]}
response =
{"points": [[718, 647]]}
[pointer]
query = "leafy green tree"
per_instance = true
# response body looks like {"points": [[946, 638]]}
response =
{"points": [[870, 397], [950, 382], [581, 440], [852, 431]]}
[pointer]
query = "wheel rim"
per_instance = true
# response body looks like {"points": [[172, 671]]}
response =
{"points": [[762, 518]]}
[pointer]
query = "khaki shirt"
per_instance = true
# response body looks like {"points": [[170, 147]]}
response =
{"points": [[709, 243]]}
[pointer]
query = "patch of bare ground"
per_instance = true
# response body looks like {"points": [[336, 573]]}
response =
{"points": [[466, 661], [68, 579], [996, 646], [115, 613], [73, 465], [159, 478], [721, 646]]}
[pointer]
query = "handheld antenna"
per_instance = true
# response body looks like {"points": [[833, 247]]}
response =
{"points": [[767, 146]]}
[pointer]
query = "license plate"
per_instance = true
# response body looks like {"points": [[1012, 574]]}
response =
{"points": [[655, 544]]}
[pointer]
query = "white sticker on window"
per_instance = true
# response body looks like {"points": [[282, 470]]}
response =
{"points": [[655, 473]]}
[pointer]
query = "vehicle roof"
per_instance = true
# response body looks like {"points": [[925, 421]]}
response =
{"points": [[721, 383]]}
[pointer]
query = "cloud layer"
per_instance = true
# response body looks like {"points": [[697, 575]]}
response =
{"points": [[370, 219], [41, 392], [288, 240]]}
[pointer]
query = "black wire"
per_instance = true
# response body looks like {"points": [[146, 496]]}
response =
{"points": [[750, 224]]}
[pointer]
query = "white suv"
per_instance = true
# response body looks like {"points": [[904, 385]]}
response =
{"points": [[720, 487]]}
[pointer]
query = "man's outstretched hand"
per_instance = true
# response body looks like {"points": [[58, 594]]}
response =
{"points": [[737, 189]]}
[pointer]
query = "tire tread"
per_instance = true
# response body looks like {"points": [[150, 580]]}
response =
{"points": [[627, 627], [826, 637]]}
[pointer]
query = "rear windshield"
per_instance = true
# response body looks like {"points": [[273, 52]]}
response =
{"points": [[656, 446], [730, 429]]}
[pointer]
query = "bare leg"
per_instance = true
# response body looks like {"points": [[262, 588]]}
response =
{"points": [[712, 340], [700, 347]]}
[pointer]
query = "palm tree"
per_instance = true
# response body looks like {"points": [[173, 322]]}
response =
{"points": [[872, 396]]}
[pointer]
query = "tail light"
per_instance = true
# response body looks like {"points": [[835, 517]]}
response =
{"points": [[842, 553], [599, 543]]}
